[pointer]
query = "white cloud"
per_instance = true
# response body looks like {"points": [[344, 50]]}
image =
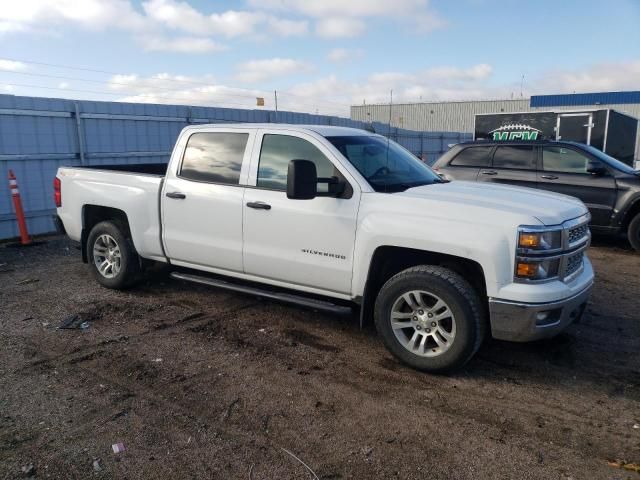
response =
{"points": [[352, 8], [262, 70], [93, 14], [287, 28], [340, 27], [601, 77], [437, 83], [12, 65], [180, 44], [63, 85], [206, 91], [182, 16], [179, 15], [345, 18], [476, 72], [152, 25], [339, 55], [165, 82]]}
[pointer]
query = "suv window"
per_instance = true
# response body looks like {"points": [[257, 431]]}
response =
{"points": [[520, 157], [472, 157], [561, 159], [276, 153], [214, 157]]}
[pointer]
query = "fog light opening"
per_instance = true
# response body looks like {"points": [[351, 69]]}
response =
{"points": [[548, 317]]}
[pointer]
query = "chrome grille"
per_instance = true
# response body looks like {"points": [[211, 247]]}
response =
{"points": [[574, 263], [578, 233]]}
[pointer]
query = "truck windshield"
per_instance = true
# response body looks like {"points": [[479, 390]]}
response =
{"points": [[386, 165]]}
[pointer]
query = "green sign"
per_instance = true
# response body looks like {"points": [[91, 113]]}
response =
{"points": [[515, 132]]}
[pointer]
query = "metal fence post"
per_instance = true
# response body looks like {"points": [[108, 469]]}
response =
{"points": [[79, 132]]}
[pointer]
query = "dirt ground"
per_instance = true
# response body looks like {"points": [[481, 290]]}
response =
{"points": [[201, 383]]}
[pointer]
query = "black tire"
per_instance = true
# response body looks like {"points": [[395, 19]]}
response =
{"points": [[633, 233], [129, 263], [459, 296]]}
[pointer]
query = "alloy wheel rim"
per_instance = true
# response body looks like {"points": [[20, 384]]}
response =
{"points": [[107, 256], [423, 323]]}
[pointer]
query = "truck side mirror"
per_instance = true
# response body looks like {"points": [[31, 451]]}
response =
{"points": [[302, 180], [595, 168]]}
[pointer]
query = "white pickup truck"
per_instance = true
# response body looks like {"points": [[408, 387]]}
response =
{"points": [[332, 218]]}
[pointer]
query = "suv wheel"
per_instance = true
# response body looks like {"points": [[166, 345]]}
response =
{"points": [[113, 259], [634, 233], [430, 318]]}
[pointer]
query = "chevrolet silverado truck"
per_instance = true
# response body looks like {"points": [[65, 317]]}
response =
{"points": [[331, 218]]}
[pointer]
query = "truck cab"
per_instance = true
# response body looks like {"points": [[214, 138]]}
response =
{"points": [[332, 217]]}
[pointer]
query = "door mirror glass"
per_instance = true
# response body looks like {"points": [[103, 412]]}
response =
{"points": [[302, 180]]}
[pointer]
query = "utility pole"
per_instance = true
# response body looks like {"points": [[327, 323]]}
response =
{"points": [[275, 96]]}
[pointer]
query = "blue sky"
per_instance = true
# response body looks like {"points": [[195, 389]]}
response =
{"points": [[320, 55]]}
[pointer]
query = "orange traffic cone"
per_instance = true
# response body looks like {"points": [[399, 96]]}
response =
{"points": [[17, 204]]}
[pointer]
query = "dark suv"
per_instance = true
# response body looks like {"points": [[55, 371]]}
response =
{"points": [[608, 187]]}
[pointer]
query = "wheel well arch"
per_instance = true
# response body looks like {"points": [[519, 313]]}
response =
{"points": [[387, 261], [631, 213], [94, 214]]}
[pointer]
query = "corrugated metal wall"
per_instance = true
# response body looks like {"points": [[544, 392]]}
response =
{"points": [[438, 116], [37, 135], [459, 116]]}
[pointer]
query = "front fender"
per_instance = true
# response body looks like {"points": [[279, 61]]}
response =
{"points": [[492, 248]]}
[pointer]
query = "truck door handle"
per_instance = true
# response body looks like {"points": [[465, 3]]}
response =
{"points": [[489, 172], [259, 205], [176, 195], [549, 177]]}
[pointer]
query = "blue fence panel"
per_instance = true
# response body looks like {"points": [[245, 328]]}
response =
{"points": [[38, 135]]}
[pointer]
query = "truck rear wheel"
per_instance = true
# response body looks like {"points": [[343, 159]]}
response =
{"points": [[430, 318], [634, 233], [113, 259]]}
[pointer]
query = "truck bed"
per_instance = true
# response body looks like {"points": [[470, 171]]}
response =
{"points": [[144, 168], [133, 190]]}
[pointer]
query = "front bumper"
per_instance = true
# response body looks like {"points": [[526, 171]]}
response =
{"points": [[524, 322]]}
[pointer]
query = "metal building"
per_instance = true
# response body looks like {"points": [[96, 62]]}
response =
{"points": [[459, 116]]}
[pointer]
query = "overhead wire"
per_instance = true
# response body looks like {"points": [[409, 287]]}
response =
{"points": [[179, 80]]}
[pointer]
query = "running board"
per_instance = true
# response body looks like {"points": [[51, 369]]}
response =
{"points": [[301, 300]]}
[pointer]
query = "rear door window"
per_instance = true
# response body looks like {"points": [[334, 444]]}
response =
{"points": [[515, 156], [214, 157], [472, 157]]}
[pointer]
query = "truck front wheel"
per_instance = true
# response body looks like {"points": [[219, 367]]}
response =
{"points": [[634, 233], [430, 318], [113, 259]]}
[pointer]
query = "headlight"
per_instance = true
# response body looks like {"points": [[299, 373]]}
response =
{"points": [[536, 240], [538, 253], [537, 268]]}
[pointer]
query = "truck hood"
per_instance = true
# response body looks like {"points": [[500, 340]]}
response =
{"points": [[548, 207]]}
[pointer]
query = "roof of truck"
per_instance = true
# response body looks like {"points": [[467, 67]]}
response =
{"points": [[324, 130]]}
